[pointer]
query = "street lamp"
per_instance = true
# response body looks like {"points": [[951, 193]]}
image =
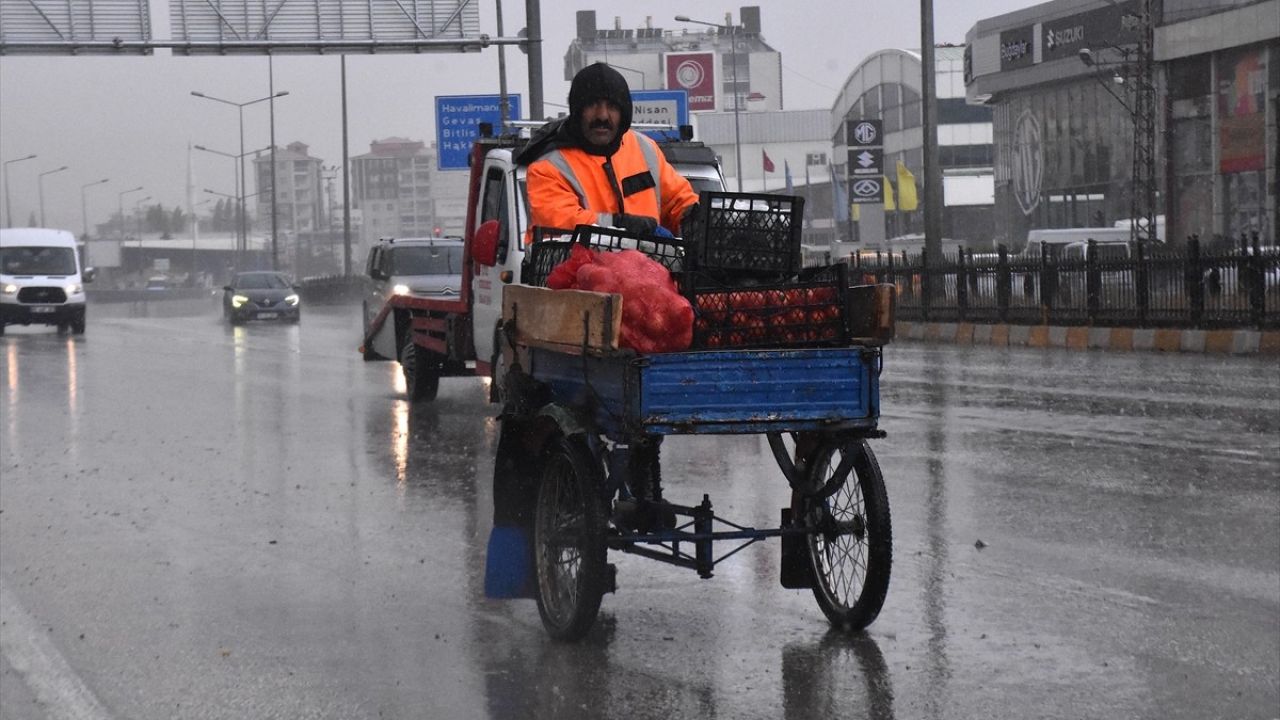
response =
{"points": [[644, 79], [236, 179], [84, 215], [40, 183], [8, 208], [244, 230], [120, 201], [733, 58]]}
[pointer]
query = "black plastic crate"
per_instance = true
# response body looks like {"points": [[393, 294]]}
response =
{"points": [[541, 259], [806, 311], [746, 234], [544, 255]]}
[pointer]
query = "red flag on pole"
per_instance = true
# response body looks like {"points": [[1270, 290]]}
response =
{"points": [[768, 164]]}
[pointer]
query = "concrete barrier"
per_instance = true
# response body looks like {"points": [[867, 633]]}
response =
{"points": [[1219, 342]]}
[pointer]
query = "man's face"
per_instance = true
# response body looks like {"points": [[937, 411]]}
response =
{"points": [[600, 122]]}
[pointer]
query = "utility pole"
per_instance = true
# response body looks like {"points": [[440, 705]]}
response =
{"points": [[932, 171], [1142, 202], [533, 18]]}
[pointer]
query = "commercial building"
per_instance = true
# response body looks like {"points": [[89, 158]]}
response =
{"points": [[716, 66], [1063, 78], [886, 86]]}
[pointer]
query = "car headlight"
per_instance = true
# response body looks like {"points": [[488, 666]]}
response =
{"points": [[400, 290], [238, 300], [75, 289], [291, 299], [10, 289]]}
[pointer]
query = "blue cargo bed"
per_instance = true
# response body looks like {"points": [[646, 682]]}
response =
{"points": [[717, 392]]}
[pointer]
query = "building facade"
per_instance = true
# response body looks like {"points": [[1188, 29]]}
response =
{"points": [[299, 200], [395, 187], [1063, 79], [886, 86], [716, 66]]}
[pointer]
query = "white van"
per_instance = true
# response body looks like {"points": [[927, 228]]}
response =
{"points": [[41, 279]]}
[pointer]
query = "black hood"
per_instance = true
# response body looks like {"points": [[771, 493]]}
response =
{"points": [[594, 82]]}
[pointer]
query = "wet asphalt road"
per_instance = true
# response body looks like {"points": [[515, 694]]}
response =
{"points": [[200, 522]]}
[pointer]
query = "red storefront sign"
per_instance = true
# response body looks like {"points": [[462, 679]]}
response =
{"points": [[695, 73], [1242, 80]]}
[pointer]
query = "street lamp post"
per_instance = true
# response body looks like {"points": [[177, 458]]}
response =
{"points": [[40, 183], [733, 58], [644, 79], [240, 195], [136, 214], [120, 201], [8, 207], [244, 230], [84, 215]]}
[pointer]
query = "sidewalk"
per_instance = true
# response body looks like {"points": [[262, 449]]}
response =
{"points": [[1223, 342]]}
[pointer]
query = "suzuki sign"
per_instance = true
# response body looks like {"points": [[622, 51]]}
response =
{"points": [[695, 73]]}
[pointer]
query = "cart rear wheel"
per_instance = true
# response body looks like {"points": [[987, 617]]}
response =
{"points": [[569, 541], [850, 549]]}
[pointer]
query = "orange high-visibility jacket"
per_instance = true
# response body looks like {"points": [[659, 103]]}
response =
{"points": [[569, 187]]}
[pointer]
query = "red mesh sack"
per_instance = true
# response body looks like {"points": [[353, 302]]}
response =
{"points": [[655, 317]]}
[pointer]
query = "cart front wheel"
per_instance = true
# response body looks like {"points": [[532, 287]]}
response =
{"points": [[569, 541], [850, 546]]}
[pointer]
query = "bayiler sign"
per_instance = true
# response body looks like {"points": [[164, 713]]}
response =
{"points": [[1016, 48], [695, 73]]}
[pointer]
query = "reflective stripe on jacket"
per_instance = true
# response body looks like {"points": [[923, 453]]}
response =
{"points": [[568, 187]]}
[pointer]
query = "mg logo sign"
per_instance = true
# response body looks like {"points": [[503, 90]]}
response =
{"points": [[865, 133], [1027, 160]]}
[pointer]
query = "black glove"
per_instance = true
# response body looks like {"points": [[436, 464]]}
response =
{"points": [[635, 224]]}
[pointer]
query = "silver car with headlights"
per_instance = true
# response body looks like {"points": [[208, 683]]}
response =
{"points": [[428, 267]]}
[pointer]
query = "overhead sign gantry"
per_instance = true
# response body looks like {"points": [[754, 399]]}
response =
{"points": [[212, 27]]}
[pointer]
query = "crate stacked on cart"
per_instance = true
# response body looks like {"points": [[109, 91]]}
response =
{"points": [[806, 309], [746, 284], [739, 236]]}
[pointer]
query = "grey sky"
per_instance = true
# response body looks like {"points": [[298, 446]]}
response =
{"points": [[131, 119]]}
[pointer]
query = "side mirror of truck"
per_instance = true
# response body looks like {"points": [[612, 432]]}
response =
{"points": [[89, 274], [484, 245]]}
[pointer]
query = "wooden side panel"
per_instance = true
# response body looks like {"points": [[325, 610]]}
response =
{"points": [[558, 319], [871, 310]]}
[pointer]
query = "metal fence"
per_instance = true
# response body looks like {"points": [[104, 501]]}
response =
{"points": [[1099, 284]]}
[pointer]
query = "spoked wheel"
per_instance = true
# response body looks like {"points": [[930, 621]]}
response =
{"points": [[851, 548], [569, 541]]}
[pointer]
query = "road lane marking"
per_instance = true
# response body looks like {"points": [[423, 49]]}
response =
{"points": [[46, 673]]}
